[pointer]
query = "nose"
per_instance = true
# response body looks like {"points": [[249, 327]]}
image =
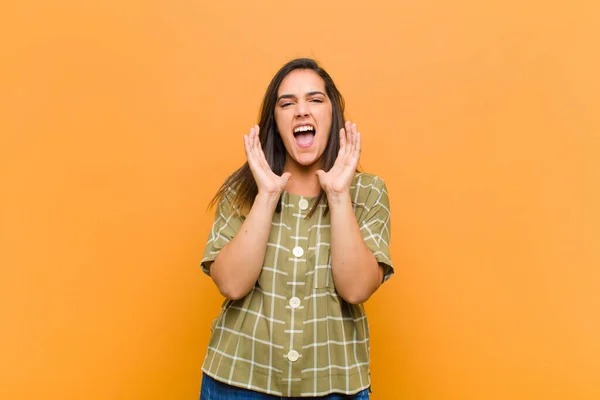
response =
{"points": [[302, 109]]}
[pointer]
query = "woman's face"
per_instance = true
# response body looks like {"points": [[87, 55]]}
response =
{"points": [[303, 116]]}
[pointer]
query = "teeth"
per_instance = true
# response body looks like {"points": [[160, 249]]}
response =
{"points": [[303, 129]]}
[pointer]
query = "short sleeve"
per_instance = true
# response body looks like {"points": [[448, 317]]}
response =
{"points": [[376, 225], [227, 222]]}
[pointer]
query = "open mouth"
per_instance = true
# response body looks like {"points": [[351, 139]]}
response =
{"points": [[304, 135]]}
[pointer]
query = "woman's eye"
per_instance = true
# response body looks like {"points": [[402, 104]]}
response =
{"points": [[286, 105], [316, 100]]}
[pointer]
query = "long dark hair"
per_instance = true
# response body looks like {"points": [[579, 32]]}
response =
{"points": [[241, 181]]}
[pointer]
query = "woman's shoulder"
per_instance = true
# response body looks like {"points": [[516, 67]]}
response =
{"points": [[367, 188], [364, 179]]}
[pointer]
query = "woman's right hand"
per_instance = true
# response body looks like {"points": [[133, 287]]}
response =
{"points": [[267, 181]]}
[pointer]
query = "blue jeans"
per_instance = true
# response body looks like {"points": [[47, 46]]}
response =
{"points": [[215, 390]]}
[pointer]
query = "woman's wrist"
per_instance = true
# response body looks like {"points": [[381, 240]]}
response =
{"points": [[337, 198], [267, 199]]}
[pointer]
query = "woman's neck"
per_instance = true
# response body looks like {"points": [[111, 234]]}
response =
{"points": [[304, 180]]}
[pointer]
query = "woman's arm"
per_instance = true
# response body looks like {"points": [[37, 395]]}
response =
{"points": [[356, 272], [237, 266]]}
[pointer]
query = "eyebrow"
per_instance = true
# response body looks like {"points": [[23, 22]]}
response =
{"points": [[291, 96]]}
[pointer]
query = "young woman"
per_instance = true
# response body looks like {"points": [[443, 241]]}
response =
{"points": [[300, 240]]}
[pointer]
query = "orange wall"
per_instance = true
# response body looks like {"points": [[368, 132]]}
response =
{"points": [[114, 120]]}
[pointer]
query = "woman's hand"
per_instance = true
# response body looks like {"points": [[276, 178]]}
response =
{"points": [[267, 181], [337, 181]]}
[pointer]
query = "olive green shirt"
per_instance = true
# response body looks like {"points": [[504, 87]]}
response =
{"points": [[293, 335]]}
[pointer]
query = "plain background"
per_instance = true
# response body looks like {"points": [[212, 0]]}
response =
{"points": [[120, 119]]}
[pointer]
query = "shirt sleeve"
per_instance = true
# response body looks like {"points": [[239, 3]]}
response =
{"points": [[227, 222], [376, 226]]}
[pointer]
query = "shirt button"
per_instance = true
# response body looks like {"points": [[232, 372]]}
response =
{"points": [[294, 302], [298, 251], [293, 355], [303, 204]]}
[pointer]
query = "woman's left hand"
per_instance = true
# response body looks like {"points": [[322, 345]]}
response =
{"points": [[337, 181]]}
